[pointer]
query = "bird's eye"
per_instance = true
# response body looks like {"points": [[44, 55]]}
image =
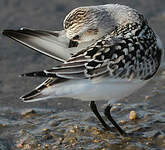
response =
{"points": [[76, 37]]}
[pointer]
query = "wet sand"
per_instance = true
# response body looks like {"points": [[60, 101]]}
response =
{"points": [[75, 127], [65, 123]]}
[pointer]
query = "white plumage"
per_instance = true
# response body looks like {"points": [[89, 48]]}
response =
{"points": [[108, 52]]}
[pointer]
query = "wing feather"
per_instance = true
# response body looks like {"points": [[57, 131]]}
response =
{"points": [[54, 44], [50, 43], [113, 56], [36, 94], [116, 55]]}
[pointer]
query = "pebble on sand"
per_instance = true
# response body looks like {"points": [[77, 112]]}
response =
{"points": [[132, 115], [147, 97], [19, 145], [28, 113], [123, 122]]}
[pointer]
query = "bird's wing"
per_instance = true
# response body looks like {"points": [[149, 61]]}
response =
{"points": [[82, 65], [51, 43], [118, 56], [36, 94]]}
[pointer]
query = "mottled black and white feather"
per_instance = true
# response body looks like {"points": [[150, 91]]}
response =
{"points": [[111, 44], [129, 51]]}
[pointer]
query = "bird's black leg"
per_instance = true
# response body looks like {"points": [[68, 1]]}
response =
{"points": [[95, 111], [108, 115]]}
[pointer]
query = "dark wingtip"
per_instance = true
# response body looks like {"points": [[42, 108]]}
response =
{"points": [[29, 96], [22, 75], [5, 32], [24, 98], [41, 74], [8, 32], [21, 99], [34, 74], [11, 32]]}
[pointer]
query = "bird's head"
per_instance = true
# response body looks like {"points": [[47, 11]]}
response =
{"points": [[85, 24]]}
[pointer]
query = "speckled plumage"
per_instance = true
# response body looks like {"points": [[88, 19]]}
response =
{"points": [[119, 45], [107, 53], [127, 52], [130, 51]]}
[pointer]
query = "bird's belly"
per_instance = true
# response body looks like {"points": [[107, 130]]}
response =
{"points": [[87, 90]]}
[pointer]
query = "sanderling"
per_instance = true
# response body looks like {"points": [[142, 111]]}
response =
{"points": [[107, 52]]}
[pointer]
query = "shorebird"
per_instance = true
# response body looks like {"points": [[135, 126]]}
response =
{"points": [[107, 52]]}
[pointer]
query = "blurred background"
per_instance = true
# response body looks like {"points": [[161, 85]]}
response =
{"points": [[16, 59]]}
